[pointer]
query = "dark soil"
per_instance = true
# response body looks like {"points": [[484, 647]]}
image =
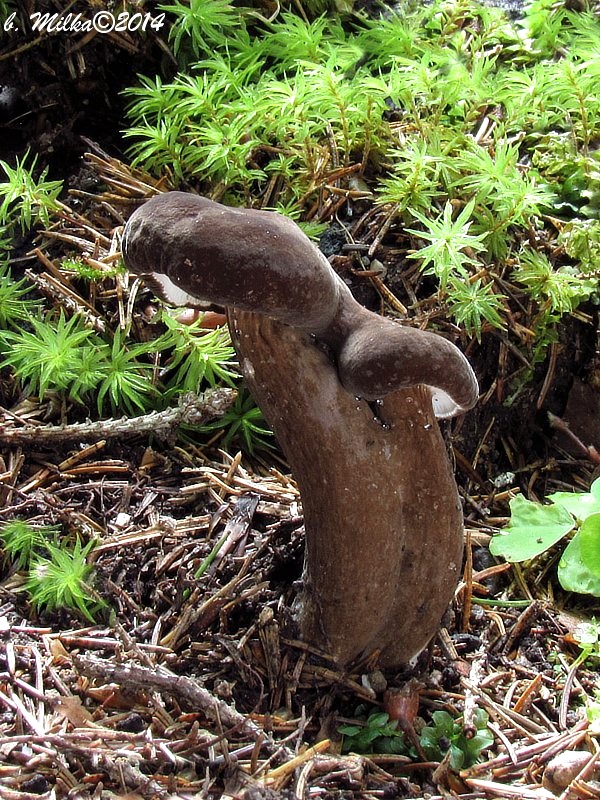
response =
{"points": [[58, 89]]}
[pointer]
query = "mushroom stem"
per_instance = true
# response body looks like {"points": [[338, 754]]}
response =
{"points": [[383, 521]]}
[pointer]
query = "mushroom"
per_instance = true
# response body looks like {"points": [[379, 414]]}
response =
{"points": [[352, 398]]}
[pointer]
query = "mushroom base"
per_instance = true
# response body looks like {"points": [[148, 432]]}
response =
{"points": [[384, 529]]}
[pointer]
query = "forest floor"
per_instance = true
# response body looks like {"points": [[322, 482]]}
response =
{"points": [[197, 687]]}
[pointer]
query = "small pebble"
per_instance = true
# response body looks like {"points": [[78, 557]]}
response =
{"points": [[134, 723]]}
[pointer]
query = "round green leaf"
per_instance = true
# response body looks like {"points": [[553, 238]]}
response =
{"points": [[589, 543], [573, 574], [580, 504], [533, 528]]}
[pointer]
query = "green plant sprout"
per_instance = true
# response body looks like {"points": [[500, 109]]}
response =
{"points": [[25, 201], [197, 355], [374, 732], [535, 528], [60, 579], [448, 735], [559, 290], [413, 182], [244, 423], [58, 575], [451, 244], [587, 636], [200, 23], [126, 380], [470, 303], [20, 541], [14, 307]]}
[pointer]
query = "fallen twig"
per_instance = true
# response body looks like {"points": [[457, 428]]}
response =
{"points": [[501, 790], [181, 687], [589, 451], [191, 410]]}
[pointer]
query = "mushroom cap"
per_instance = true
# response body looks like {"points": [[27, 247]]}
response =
{"points": [[380, 356], [194, 251]]}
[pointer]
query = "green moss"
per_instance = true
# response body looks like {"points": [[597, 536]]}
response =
{"points": [[450, 106]]}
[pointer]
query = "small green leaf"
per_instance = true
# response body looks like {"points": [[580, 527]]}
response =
{"points": [[392, 745], [457, 757], [573, 574], [580, 504], [532, 530], [589, 543], [593, 716], [369, 735], [377, 719], [350, 730], [444, 723], [586, 635]]}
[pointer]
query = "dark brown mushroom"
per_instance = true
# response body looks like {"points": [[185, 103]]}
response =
{"points": [[352, 398]]}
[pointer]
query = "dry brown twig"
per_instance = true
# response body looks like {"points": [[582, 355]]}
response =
{"points": [[191, 410], [181, 687]]}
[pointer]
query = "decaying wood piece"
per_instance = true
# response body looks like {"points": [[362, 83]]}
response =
{"points": [[382, 514], [185, 689], [191, 410]]}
